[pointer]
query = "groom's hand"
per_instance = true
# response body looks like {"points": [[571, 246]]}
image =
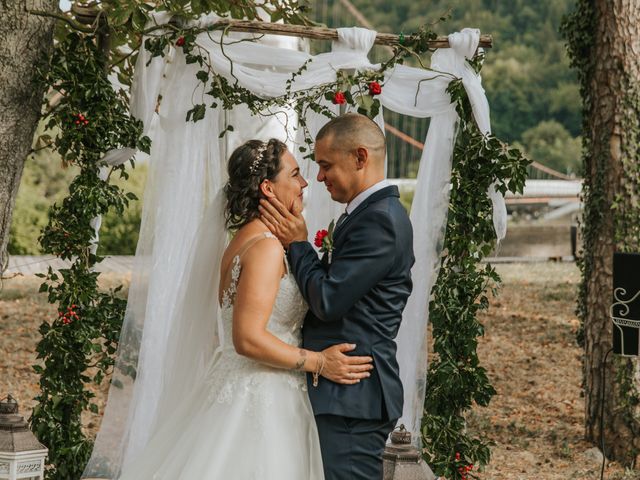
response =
{"points": [[345, 369], [287, 226]]}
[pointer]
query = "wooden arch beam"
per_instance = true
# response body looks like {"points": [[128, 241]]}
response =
{"points": [[87, 15], [323, 33]]}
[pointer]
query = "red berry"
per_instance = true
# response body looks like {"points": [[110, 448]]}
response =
{"points": [[339, 98], [77, 122], [374, 88], [180, 42]]}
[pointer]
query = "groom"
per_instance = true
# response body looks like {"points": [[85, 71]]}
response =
{"points": [[355, 295]]}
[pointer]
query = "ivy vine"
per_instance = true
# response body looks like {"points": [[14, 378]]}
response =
{"points": [[77, 346], [578, 28], [456, 380]]}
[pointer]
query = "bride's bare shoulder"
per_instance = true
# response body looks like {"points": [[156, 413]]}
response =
{"points": [[253, 243]]}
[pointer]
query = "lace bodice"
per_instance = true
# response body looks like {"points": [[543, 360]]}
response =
{"points": [[288, 310], [232, 374]]}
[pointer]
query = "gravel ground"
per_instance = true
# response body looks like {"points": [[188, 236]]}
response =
{"points": [[529, 351]]}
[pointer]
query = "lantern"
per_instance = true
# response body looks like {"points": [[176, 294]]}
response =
{"points": [[21, 455], [402, 461], [625, 309]]}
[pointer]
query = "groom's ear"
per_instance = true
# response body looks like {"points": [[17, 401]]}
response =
{"points": [[267, 189], [362, 157]]}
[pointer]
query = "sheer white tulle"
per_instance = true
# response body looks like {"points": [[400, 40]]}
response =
{"points": [[172, 325]]}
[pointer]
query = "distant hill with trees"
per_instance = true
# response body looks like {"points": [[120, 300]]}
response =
{"points": [[533, 94]]}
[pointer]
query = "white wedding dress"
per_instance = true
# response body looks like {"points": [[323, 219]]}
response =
{"points": [[247, 421]]}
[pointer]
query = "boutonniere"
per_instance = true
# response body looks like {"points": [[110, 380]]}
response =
{"points": [[324, 240]]}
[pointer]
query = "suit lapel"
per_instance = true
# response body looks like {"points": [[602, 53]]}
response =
{"points": [[390, 191]]}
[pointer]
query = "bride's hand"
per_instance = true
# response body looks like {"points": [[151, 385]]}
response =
{"points": [[341, 368]]}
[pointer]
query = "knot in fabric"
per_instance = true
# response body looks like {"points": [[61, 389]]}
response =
{"points": [[354, 39]]}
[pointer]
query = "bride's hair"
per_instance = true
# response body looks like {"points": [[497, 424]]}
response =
{"points": [[249, 165]]}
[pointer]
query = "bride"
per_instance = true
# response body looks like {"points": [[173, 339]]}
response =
{"points": [[251, 418]]}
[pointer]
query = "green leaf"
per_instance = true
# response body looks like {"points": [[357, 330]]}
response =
{"points": [[276, 16], [203, 76]]}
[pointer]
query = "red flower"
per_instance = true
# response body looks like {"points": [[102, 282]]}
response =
{"points": [[180, 42], [320, 236], [339, 98], [374, 89]]}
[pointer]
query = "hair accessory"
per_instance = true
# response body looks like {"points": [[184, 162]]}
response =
{"points": [[259, 152]]}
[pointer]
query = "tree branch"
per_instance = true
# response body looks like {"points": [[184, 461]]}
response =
{"points": [[75, 25], [324, 33]]}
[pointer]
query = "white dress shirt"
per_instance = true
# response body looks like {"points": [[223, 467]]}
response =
{"points": [[362, 196]]}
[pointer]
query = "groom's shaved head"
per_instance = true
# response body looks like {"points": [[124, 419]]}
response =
{"points": [[350, 131]]}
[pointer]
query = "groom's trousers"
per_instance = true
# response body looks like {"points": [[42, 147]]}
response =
{"points": [[352, 447]]}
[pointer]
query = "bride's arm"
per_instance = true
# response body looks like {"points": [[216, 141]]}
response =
{"points": [[262, 269]]}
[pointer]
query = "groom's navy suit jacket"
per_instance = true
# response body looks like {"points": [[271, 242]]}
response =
{"points": [[358, 298]]}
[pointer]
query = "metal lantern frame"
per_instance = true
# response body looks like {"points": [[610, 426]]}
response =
{"points": [[22, 457], [621, 320], [401, 460], [23, 465]]}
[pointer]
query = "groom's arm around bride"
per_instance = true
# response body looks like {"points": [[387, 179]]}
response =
{"points": [[356, 293]]}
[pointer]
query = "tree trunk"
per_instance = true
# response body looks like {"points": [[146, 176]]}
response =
{"points": [[26, 41], [611, 219]]}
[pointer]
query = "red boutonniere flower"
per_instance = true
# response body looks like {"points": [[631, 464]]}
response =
{"points": [[324, 239], [374, 89], [339, 98], [180, 42], [320, 236]]}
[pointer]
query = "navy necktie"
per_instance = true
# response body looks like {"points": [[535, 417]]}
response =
{"points": [[342, 218]]}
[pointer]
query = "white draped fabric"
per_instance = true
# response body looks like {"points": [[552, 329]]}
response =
{"points": [[171, 326]]}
